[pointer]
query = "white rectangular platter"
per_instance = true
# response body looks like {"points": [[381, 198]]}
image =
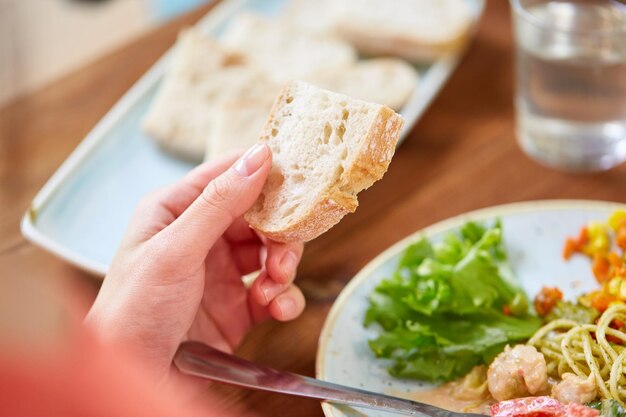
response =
{"points": [[82, 211]]}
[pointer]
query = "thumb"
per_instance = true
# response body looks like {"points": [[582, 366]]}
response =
{"points": [[226, 198]]}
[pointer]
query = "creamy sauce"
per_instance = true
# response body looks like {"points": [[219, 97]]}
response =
{"points": [[468, 394], [443, 397]]}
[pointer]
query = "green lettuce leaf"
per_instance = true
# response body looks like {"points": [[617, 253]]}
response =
{"points": [[441, 313]]}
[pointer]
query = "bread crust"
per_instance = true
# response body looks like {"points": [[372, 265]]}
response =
{"points": [[403, 47], [367, 167], [426, 31], [326, 213], [375, 154]]}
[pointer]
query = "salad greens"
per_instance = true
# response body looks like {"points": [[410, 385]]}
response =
{"points": [[443, 310], [608, 408]]}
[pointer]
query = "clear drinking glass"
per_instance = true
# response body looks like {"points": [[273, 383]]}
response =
{"points": [[571, 81]]}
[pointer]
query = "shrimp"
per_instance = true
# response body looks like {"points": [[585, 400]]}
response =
{"points": [[517, 372]]}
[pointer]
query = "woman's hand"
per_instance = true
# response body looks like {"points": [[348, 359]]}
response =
{"points": [[178, 273]]}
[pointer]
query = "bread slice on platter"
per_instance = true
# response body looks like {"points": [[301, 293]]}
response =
{"points": [[388, 81], [202, 74], [309, 15], [326, 148], [236, 124], [284, 52], [417, 30]]}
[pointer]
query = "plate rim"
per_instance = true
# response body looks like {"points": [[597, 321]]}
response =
{"points": [[480, 214]]}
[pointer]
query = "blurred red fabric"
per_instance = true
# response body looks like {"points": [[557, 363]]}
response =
{"points": [[73, 375], [84, 380]]}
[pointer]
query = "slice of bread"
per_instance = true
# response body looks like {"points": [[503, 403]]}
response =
{"points": [[285, 52], [310, 15], [326, 148], [417, 30], [201, 75], [236, 125], [388, 81]]}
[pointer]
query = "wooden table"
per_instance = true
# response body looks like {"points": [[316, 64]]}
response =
{"points": [[461, 156]]}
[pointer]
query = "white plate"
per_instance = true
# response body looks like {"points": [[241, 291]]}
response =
{"points": [[534, 234], [83, 210]]}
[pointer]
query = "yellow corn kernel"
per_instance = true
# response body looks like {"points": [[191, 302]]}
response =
{"points": [[598, 238], [595, 228], [617, 218], [616, 302], [596, 246], [614, 285]]}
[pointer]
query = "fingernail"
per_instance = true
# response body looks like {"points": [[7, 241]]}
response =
{"points": [[286, 305], [252, 160], [270, 289], [288, 263]]}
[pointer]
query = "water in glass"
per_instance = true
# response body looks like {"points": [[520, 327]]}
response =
{"points": [[571, 83]]}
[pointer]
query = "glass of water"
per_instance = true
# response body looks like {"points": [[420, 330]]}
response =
{"points": [[571, 82]]}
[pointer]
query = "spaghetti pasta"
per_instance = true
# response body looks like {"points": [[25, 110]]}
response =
{"points": [[587, 349]]}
